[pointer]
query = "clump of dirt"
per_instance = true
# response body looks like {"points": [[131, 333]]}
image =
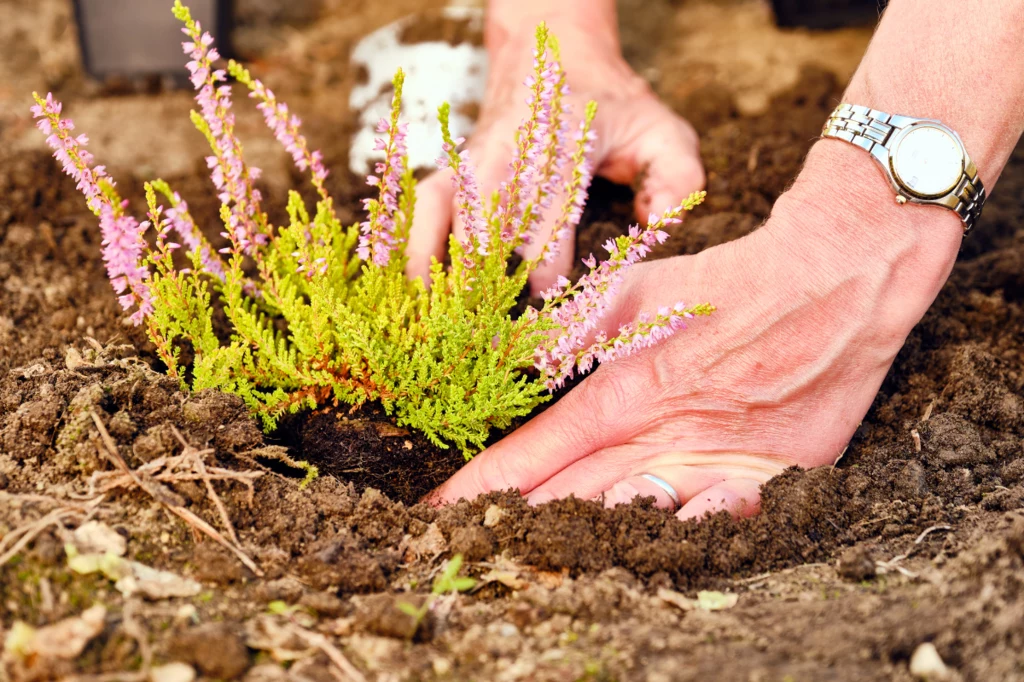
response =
{"points": [[371, 451]]}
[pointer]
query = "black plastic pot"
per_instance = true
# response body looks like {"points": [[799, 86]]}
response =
{"points": [[825, 14], [141, 38]]}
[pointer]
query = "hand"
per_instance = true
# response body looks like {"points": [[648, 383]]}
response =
{"points": [[812, 309], [636, 133]]}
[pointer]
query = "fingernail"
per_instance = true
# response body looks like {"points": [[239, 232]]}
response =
{"points": [[539, 497]]}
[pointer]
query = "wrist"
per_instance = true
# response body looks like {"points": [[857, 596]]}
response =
{"points": [[593, 20], [841, 219]]}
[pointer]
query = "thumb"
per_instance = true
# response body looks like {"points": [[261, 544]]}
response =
{"points": [[596, 414], [671, 166]]}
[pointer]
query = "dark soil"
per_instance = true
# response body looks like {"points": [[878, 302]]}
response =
{"points": [[837, 578], [370, 451]]}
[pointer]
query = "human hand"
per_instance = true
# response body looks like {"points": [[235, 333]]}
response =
{"points": [[811, 311], [635, 132]]}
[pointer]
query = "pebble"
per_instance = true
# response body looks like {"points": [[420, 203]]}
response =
{"points": [[172, 672], [856, 564], [926, 664], [493, 516]]}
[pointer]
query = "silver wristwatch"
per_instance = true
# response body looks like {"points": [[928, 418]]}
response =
{"points": [[924, 160]]}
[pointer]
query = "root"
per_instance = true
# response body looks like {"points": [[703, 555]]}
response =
{"points": [[188, 466], [280, 454]]}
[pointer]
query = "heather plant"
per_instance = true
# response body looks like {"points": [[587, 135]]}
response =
{"points": [[323, 314]]}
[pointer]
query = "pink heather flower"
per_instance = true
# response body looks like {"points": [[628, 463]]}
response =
{"points": [[577, 309], [70, 151], [550, 173], [316, 266], [577, 192], [285, 127], [467, 198], [514, 220], [378, 232], [231, 177], [182, 222], [632, 338], [123, 249], [123, 241]]}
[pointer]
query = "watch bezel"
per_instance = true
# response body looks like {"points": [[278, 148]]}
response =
{"points": [[894, 148]]}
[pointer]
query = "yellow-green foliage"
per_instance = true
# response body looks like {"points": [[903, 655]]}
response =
{"points": [[315, 316], [447, 361]]}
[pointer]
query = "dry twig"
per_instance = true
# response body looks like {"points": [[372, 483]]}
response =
{"points": [[893, 564], [187, 466], [19, 538], [332, 652]]}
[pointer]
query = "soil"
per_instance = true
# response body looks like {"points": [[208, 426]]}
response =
{"points": [[915, 536]]}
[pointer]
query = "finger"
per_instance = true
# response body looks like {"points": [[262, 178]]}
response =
{"points": [[666, 150], [431, 223], [738, 496], [489, 161], [626, 491], [669, 180], [616, 475], [594, 415], [685, 482]]}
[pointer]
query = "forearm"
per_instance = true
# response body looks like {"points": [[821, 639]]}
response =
{"points": [[961, 63]]}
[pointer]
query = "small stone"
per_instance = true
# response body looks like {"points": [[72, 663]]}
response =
{"points": [[441, 666], [95, 537], [508, 630], [926, 664], [73, 359], [287, 589], [492, 517], [430, 544], [172, 672], [187, 613], [324, 603], [267, 672]]}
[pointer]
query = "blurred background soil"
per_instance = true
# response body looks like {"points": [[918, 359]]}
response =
{"points": [[915, 537]]}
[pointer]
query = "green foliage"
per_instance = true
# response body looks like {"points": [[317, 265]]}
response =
{"points": [[317, 325], [314, 313], [448, 581]]}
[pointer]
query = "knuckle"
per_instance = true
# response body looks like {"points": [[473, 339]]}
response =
{"points": [[611, 396]]}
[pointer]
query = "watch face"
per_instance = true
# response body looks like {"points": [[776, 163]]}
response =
{"points": [[929, 161]]}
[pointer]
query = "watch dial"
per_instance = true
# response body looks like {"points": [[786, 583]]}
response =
{"points": [[929, 161]]}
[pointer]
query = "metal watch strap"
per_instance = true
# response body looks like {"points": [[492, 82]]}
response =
{"points": [[871, 130]]}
